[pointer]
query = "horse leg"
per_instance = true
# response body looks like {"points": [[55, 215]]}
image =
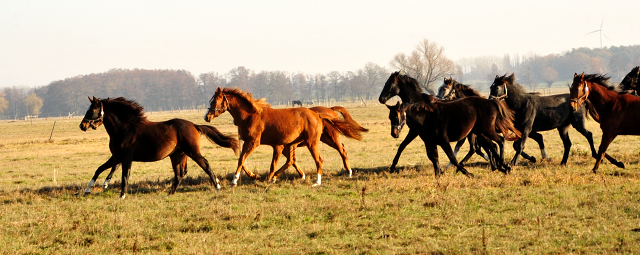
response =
{"points": [[126, 167], [295, 164], [473, 148], [247, 148], [564, 135], [455, 152], [108, 179], [446, 147], [410, 136], [538, 138], [315, 153], [432, 154], [579, 126], [493, 136], [204, 164], [112, 162], [333, 140], [288, 152], [178, 162], [607, 138], [277, 150]]}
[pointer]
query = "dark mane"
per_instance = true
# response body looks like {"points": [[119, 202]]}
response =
{"points": [[465, 89], [511, 79], [408, 80], [601, 79], [126, 110], [258, 104]]}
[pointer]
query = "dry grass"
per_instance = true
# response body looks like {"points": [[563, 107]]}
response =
{"points": [[539, 208]]}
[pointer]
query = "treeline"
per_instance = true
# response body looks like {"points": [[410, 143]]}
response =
{"points": [[159, 90], [537, 70]]}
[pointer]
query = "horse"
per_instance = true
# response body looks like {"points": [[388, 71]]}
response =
{"points": [[134, 138], [541, 113], [296, 102], [409, 91], [439, 123], [282, 129], [616, 112], [630, 82], [451, 90]]}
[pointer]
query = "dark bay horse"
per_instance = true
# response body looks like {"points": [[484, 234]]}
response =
{"points": [[451, 90], [133, 138], [541, 113], [617, 113], [282, 129], [439, 123], [409, 91], [630, 82]]}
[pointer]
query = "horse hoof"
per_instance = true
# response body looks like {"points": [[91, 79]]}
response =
{"points": [[122, 197], [315, 185], [533, 160], [218, 187], [620, 165]]}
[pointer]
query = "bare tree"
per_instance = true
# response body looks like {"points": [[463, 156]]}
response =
{"points": [[4, 104], [549, 75], [426, 63]]}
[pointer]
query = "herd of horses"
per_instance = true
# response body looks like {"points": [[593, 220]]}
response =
{"points": [[457, 113]]}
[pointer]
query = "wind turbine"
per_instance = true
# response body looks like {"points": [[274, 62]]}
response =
{"points": [[600, 31]]}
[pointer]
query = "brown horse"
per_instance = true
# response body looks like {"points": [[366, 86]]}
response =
{"points": [[617, 113], [282, 129], [133, 138]]}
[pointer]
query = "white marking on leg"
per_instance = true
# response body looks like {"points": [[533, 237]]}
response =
{"points": [[91, 183], [318, 181], [106, 183], [218, 184], [234, 182], [350, 173], [122, 197]]}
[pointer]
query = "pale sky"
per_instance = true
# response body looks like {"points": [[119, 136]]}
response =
{"points": [[45, 41]]}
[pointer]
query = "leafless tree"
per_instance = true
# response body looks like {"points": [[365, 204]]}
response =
{"points": [[426, 63]]}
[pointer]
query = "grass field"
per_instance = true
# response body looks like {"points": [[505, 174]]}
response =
{"points": [[538, 208]]}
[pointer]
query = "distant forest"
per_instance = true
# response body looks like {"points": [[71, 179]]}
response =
{"points": [[160, 90]]}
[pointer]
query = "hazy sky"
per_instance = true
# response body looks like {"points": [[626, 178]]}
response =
{"points": [[45, 41]]}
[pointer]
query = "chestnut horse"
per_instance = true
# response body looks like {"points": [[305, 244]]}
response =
{"points": [[133, 138], [617, 113], [283, 129]]}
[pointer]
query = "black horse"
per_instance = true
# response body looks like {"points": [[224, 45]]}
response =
{"points": [[541, 113], [451, 90], [296, 102], [630, 82], [409, 91], [439, 123]]}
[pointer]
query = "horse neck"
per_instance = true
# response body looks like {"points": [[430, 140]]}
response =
{"points": [[599, 96], [112, 124], [463, 91], [408, 94], [238, 108], [515, 95]]}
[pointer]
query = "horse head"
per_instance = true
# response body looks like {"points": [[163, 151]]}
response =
{"points": [[447, 90], [398, 118], [631, 81], [218, 104], [579, 91], [94, 116], [390, 89], [498, 89]]}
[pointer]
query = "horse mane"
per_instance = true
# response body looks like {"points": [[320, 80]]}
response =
{"points": [[257, 104], [126, 110], [408, 80], [428, 103], [600, 79], [465, 89], [511, 79]]}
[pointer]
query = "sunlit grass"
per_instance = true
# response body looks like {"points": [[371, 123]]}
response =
{"points": [[538, 208]]}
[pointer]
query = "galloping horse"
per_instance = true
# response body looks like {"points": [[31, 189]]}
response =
{"points": [[439, 123], [540, 113], [134, 138], [409, 91], [617, 113], [630, 82], [451, 90], [283, 129]]}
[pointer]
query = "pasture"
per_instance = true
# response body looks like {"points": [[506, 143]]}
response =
{"points": [[538, 208]]}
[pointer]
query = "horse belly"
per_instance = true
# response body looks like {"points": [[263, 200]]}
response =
{"points": [[150, 149]]}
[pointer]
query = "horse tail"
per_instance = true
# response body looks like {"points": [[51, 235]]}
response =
{"points": [[347, 118], [504, 121], [347, 128], [219, 138], [592, 111]]}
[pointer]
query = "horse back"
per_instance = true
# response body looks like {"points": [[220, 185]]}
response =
{"points": [[289, 125]]}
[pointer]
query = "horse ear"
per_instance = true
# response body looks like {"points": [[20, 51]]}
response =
{"points": [[582, 78], [575, 75], [497, 76], [218, 90], [90, 100]]}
